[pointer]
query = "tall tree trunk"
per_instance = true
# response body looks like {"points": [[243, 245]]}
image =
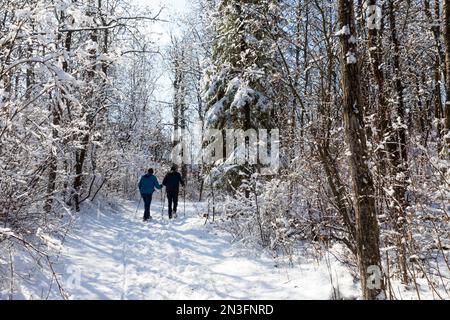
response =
{"points": [[398, 152], [447, 73], [80, 154], [177, 98], [183, 122], [53, 161], [367, 232], [56, 120], [201, 116], [376, 62], [439, 69]]}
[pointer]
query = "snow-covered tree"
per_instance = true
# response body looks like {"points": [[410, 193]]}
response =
{"points": [[238, 86]]}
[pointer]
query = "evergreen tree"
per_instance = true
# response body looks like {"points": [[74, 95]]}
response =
{"points": [[238, 86]]}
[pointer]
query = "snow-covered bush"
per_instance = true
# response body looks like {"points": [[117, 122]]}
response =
{"points": [[74, 108]]}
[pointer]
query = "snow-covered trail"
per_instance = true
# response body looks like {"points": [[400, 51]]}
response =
{"points": [[114, 255]]}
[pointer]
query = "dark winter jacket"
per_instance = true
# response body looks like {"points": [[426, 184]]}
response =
{"points": [[172, 181], [148, 183]]}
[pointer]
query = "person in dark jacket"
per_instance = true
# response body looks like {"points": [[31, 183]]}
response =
{"points": [[147, 186], [172, 182]]}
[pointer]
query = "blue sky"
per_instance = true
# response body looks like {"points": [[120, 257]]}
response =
{"points": [[172, 10], [160, 35]]}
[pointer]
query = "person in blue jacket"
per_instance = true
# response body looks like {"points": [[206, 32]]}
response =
{"points": [[147, 186]]}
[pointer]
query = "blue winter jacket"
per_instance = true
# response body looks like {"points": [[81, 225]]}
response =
{"points": [[148, 183]]}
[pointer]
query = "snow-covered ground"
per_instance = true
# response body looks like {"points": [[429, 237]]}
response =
{"points": [[112, 254]]}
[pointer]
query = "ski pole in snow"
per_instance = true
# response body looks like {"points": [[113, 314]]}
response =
{"points": [[139, 204], [162, 204], [184, 201]]}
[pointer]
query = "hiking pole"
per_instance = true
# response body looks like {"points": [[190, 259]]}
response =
{"points": [[184, 201], [135, 214], [163, 201]]}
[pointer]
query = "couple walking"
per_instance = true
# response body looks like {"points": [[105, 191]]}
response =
{"points": [[171, 181]]}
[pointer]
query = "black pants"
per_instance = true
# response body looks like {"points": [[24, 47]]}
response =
{"points": [[147, 202], [172, 196]]}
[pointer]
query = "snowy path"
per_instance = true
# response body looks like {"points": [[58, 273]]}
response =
{"points": [[117, 256]]}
